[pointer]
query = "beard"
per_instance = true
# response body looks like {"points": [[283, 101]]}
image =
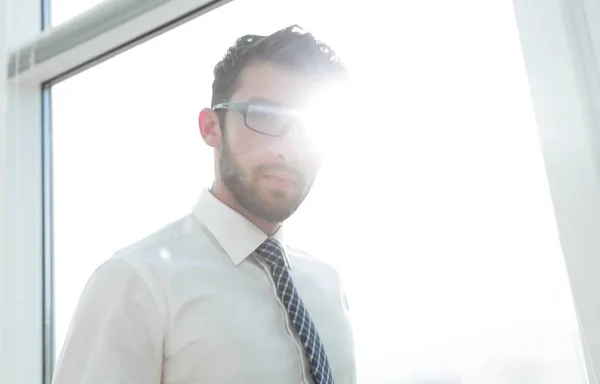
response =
{"points": [[271, 205]]}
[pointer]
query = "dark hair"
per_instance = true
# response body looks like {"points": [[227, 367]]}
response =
{"points": [[292, 47]]}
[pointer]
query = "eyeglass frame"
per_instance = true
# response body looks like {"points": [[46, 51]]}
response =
{"points": [[242, 108]]}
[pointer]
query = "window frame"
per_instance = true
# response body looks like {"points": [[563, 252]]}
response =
{"points": [[21, 193], [566, 101], [569, 137]]}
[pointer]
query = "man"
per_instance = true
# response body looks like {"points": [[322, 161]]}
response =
{"points": [[217, 297]]}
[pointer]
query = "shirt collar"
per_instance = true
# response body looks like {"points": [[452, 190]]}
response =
{"points": [[237, 236]]}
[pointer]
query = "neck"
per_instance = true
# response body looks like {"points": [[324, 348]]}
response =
{"points": [[226, 197]]}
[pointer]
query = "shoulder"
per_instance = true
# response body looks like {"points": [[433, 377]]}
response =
{"points": [[117, 285], [151, 245], [139, 268], [177, 243], [152, 258]]}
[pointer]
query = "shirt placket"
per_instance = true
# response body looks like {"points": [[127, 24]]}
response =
{"points": [[288, 326]]}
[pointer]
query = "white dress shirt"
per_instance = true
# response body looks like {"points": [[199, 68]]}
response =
{"points": [[192, 304]]}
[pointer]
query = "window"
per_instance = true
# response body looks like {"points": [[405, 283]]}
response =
{"points": [[63, 10], [454, 270]]}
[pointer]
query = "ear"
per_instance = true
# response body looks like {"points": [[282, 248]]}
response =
{"points": [[210, 128]]}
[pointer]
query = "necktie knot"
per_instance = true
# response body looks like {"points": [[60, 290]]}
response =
{"points": [[272, 252]]}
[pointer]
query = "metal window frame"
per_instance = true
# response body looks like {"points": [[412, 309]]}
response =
{"points": [[565, 96], [97, 35], [39, 59], [21, 191]]}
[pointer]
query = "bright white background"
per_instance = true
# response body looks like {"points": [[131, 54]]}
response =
{"points": [[435, 209]]}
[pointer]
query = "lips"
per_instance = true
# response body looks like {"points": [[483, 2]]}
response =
{"points": [[282, 177]]}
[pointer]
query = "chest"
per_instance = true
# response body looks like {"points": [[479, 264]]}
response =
{"points": [[228, 325]]}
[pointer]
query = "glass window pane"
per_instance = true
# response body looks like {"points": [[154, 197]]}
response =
{"points": [[435, 209], [63, 10]]}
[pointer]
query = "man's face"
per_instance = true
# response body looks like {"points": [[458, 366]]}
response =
{"points": [[269, 175]]}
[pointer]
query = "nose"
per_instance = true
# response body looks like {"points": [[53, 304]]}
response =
{"points": [[293, 146]]}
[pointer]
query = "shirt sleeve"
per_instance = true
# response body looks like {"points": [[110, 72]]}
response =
{"points": [[116, 334]]}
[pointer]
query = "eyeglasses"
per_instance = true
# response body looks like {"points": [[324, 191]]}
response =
{"points": [[263, 118]]}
